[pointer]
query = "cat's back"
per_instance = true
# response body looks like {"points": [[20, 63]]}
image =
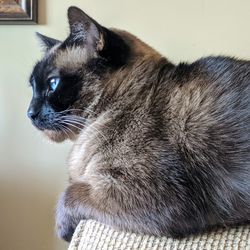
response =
{"points": [[224, 69], [210, 110], [211, 85]]}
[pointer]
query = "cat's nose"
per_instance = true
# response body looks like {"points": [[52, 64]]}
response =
{"points": [[32, 114], [34, 108]]}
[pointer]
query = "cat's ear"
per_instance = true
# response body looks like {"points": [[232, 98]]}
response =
{"points": [[84, 30], [47, 42], [95, 38]]}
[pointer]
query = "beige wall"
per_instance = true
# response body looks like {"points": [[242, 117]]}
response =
{"points": [[33, 171]]}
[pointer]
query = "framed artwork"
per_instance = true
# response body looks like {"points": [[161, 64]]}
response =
{"points": [[18, 11]]}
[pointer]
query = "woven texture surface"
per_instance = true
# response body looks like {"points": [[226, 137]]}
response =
{"points": [[92, 235]]}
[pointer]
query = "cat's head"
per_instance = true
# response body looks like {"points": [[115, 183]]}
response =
{"points": [[67, 79]]}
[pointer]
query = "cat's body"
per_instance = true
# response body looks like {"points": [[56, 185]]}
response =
{"points": [[158, 148]]}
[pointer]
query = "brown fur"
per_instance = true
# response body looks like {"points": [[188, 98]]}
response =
{"points": [[157, 148], [71, 58]]}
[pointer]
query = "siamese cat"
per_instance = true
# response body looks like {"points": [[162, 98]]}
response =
{"points": [[158, 148]]}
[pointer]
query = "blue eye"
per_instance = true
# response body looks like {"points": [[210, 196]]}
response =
{"points": [[53, 83]]}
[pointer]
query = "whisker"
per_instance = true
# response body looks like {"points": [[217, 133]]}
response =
{"points": [[70, 110], [68, 121], [91, 111], [76, 110], [98, 131], [73, 121], [72, 125], [61, 128], [81, 119], [64, 130], [73, 116]]}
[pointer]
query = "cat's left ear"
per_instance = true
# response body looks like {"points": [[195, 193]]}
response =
{"points": [[47, 42], [84, 30]]}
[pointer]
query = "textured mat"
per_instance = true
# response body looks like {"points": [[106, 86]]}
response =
{"points": [[92, 235]]}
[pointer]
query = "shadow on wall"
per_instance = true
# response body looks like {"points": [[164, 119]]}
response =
{"points": [[27, 220]]}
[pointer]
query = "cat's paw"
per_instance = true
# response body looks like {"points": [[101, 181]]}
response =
{"points": [[65, 231], [65, 221]]}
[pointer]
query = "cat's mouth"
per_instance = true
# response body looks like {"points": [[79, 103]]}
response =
{"points": [[59, 129], [43, 124]]}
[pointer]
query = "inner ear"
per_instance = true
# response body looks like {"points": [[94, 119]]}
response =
{"points": [[84, 30]]}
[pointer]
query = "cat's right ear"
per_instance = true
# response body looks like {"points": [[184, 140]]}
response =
{"points": [[47, 42]]}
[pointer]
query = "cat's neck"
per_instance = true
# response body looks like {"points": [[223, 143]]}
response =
{"points": [[138, 49], [144, 69]]}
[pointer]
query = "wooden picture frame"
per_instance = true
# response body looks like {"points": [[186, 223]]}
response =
{"points": [[18, 11]]}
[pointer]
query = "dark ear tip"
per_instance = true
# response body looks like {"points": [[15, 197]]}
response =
{"points": [[73, 9], [39, 35], [46, 42]]}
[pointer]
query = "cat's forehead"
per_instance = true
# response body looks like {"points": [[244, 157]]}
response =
{"points": [[72, 58], [67, 59]]}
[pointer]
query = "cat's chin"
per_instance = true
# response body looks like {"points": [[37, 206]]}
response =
{"points": [[56, 136]]}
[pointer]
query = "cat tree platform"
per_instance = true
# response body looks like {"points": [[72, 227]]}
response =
{"points": [[92, 235]]}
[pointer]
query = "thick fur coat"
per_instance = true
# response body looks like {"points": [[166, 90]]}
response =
{"points": [[157, 148]]}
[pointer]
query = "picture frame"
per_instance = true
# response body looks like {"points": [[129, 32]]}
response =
{"points": [[18, 11]]}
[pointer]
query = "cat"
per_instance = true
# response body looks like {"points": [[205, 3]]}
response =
{"points": [[158, 148]]}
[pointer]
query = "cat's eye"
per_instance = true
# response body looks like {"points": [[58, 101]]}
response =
{"points": [[53, 83]]}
